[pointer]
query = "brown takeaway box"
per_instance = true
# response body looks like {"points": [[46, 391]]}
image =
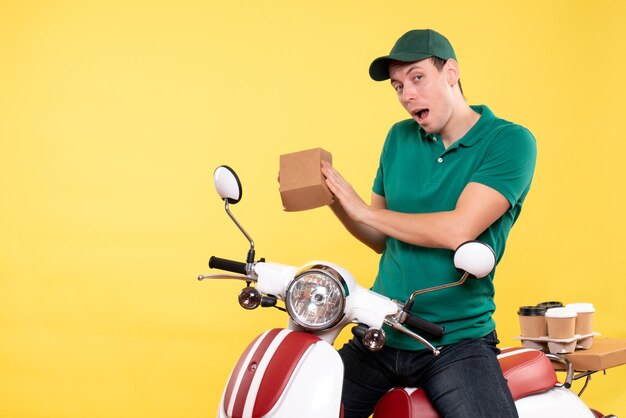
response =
{"points": [[603, 354], [302, 185]]}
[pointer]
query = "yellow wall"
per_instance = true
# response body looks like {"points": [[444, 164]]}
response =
{"points": [[114, 114]]}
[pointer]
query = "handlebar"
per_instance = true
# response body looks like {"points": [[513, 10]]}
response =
{"points": [[421, 325], [227, 265]]}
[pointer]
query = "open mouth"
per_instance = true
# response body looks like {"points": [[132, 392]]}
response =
{"points": [[421, 114]]}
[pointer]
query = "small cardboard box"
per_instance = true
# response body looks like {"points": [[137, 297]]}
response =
{"points": [[302, 184]]}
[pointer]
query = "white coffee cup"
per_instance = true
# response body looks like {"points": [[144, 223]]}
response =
{"points": [[561, 323], [584, 317]]}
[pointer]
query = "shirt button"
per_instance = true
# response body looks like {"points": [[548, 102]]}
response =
{"points": [[439, 160], [434, 139]]}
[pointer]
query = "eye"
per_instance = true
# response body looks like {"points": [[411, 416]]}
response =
{"points": [[418, 77], [398, 87]]}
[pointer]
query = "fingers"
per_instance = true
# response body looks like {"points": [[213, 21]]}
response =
{"points": [[335, 182], [332, 175], [327, 168]]}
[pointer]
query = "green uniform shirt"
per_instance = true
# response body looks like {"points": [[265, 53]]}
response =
{"points": [[418, 175]]}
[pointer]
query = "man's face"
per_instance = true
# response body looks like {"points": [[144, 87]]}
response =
{"points": [[425, 92]]}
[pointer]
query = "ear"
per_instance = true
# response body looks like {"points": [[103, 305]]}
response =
{"points": [[451, 70]]}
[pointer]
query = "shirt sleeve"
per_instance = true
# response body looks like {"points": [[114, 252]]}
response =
{"points": [[379, 186], [509, 163]]}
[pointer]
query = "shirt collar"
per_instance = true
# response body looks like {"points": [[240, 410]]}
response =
{"points": [[476, 132], [480, 128]]}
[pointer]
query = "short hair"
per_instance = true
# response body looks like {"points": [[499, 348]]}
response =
{"points": [[439, 63]]}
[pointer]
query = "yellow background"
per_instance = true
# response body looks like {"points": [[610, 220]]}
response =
{"points": [[114, 114]]}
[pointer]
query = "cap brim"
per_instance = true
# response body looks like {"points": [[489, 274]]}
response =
{"points": [[379, 69]]}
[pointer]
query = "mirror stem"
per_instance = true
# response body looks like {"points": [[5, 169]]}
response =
{"points": [[409, 303], [250, 258]]}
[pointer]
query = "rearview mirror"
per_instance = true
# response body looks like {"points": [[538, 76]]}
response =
{"points": [[227, 184], [475, 258]]}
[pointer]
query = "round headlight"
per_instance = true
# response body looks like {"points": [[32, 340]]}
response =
{"points": [[316, 298]]}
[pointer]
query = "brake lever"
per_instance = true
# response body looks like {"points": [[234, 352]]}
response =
{"points": [[399, 327], [227, 276]]}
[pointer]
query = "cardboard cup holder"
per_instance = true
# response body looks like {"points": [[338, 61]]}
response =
{"points": [[556, 328], [559, 345]]}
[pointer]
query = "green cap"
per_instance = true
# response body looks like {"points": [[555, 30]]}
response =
{"points": [[415, 45]]}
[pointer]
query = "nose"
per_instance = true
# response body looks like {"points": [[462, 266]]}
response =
{"points": [[409, 93]]}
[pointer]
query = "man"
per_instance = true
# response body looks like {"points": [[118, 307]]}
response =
{"points": [[450, 174]]}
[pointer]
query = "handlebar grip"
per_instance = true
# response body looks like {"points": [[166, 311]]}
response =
{"points": [[227, 265], [419, 324]]}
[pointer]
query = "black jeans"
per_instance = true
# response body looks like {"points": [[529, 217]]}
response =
{"points": [[464, 381]]}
